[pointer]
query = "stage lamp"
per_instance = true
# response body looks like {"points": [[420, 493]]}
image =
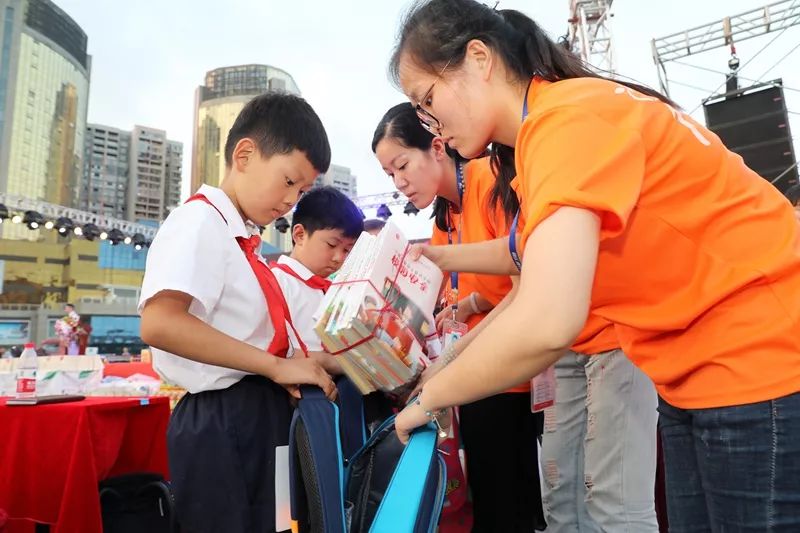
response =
{"points": [[115, 236], [64, 225], [90, 231], [410, 209], [282, 225], [384, 212], [138, 241], [33, 219]]}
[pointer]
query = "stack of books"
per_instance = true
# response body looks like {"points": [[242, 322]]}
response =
{"points": [[377, 317]]}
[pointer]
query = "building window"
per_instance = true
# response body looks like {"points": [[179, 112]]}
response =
{"points": [[18, 258]]}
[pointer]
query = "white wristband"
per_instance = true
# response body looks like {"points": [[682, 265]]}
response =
{"points": [[473, 303]]}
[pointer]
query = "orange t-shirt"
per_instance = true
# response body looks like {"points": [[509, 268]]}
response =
{"points": [[598, 335], [699, 259], [479, 221], [483, 221]]}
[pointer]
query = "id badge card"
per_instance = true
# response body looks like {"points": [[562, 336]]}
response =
{"points": [[543, 390], [283, 510], [452, 330]]}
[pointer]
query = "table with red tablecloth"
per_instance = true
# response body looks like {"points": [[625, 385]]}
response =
{"points": [[53, 456]]}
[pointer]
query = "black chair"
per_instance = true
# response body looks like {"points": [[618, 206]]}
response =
{"points": [[135, 503]]}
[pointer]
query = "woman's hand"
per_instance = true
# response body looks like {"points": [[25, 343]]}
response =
{"points": [[408, 420], [463, 312], [486, 257], [426, 375], [434, 253], [413, 416]]}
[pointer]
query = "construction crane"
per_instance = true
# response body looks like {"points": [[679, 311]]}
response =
{"points": [[590, 36]]}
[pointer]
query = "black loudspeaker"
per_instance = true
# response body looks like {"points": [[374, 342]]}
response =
{"points": [[753, 122]]}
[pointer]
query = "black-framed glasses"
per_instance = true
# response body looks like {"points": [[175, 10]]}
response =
{"points": [[428, 121]]}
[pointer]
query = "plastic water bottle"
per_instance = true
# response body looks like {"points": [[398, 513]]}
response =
{"points": [[26, 372]]}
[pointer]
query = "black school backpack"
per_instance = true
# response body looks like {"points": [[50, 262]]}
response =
{"points": [[379, 486], [137, 503]]}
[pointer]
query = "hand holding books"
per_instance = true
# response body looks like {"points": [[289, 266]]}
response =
{"points": [[377, 316]]}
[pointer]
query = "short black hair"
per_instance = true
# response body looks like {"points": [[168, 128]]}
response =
{"points": [[328, 208], [279, 122], [69, 305]]}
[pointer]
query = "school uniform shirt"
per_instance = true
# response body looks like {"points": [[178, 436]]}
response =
{"points": [[699, 257], [303, 302], [195, 252]]}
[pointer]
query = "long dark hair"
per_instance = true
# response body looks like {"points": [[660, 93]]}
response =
{"points": [[402, 124], [436, 33]]}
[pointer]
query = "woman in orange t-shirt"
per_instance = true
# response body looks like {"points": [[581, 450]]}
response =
{"points": [[504, 486], [637, 213], [604, 390]]}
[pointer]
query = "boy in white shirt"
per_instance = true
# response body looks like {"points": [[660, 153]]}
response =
{"points": [[213, 313], [325, 226]]}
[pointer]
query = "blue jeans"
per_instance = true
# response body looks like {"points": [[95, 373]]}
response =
{"points": [[732, 469]]}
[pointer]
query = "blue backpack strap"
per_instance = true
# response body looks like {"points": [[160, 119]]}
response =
{"points": [[403, 498], [352, 425], [318, 421], [433, 497]]}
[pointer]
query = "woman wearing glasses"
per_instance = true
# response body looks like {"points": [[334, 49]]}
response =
{"points": [[602, 391], [634, 212], [503, 470]]}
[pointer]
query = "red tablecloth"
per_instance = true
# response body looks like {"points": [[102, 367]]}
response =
{"points": [[52, 457]]}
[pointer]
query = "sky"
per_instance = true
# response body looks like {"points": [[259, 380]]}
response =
{"points": [[149, 56]]}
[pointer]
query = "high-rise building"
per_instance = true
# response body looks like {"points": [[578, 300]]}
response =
{"points": [[340, 178], [147, 174], [173, 176], [133, 175], [154, 184], [217, 104], [44, 89], [104, 188]]}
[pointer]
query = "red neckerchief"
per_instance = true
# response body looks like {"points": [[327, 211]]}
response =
{"points": [[276, 303], [315, 282]]}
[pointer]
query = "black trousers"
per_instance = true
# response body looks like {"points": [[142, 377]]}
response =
{"points": [[500, 440], [222, 456]]}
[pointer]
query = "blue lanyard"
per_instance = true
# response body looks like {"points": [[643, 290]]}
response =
{"points": [[512, 234], [460, 187], [512, 243]]}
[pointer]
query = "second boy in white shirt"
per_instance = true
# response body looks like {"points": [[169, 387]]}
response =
{"points": [[325, 225]]}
